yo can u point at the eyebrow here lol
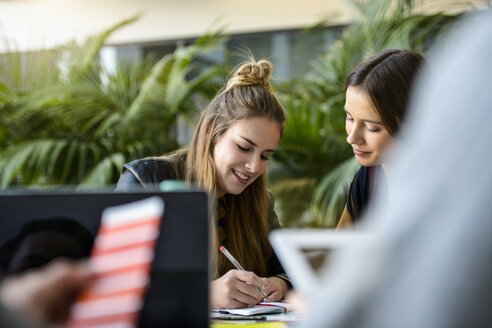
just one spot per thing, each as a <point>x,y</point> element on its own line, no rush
<point>255,145</point>
<point>369,121</point>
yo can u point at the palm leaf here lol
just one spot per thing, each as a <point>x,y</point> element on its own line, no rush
<point>79,61</point>
<point>104,171</point>
<point>331,193</point>
<point>12,162</point>
<point>149,85</point>
<point>6,95</point>
<point>83,125</point>
<point>293,213</point>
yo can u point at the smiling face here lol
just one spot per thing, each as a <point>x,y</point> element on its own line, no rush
<point>241,154</point>
<point>366,132</point>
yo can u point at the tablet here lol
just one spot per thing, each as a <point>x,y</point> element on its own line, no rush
<point>178,293</point>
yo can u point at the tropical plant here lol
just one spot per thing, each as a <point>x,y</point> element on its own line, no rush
<point>311,145</point>
<point>314,142</point>
<point>66,119</point>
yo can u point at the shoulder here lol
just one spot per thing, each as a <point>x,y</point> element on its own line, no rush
<point>346,220</point>
<point>152,170</point>
<point>150,163</point>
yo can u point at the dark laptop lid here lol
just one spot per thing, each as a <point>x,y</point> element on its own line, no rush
<point>178,295</point>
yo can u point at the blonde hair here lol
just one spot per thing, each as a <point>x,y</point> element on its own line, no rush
<point>247,94</point>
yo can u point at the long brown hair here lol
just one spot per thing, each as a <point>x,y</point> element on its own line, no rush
<point>387,78</point>
<point>247,94</point>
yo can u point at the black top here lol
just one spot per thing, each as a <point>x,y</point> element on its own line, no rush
<point>367,181</point>
<point>148,172</point>
<point>151,171</point>
<point>358,194</point>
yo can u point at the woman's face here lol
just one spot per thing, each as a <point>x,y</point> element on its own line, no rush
<point>241,154</point>
<point>366,132</point>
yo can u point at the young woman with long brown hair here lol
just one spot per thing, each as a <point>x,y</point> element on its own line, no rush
<point>234,139</point>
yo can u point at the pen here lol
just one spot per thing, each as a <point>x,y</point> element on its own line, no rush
<point>238,266</point>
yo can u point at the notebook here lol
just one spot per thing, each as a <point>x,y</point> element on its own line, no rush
<point>249,324</point>
<point>305,254</point>
<point>260,308</point>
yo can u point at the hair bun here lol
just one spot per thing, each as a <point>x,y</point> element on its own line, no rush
<point>252,73</point>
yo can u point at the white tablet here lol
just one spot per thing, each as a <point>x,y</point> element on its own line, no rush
<point>305,253</point>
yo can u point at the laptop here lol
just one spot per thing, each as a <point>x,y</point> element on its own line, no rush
<point>306,254</point>
<point>178,295</point>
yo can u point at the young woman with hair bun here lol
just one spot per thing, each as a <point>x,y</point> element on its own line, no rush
<point>233,141</point>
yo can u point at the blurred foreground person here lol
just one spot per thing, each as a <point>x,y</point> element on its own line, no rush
<point>42,297</point>
<point>430,263</point>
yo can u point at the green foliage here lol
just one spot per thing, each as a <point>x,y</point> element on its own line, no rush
<point>314,143</point>
<point>310,147</point>
<point>67,120</point>
<point>330,194</point>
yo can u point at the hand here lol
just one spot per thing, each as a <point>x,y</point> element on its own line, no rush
<point>46,294</point>
<point>275,288</point>
<point>298,302</point>
<point>236,289</point>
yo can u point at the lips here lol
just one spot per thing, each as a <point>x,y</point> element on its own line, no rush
<point>360,153</point>
<point>243,178</point>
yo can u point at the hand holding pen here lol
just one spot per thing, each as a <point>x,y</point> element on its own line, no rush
<point>240,288</point>
<point>239,267</point>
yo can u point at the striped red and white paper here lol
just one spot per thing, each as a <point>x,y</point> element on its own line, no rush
<point>122,259</point>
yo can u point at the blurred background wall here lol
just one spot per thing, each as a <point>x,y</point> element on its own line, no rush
<point>269,28</point>
<point>49,22</point>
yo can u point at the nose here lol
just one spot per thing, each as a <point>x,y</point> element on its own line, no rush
<point>254,164</point>
<point>354,136</point>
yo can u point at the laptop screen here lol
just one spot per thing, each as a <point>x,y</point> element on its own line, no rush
<point>64,224</point>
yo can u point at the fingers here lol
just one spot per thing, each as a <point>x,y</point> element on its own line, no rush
<point>61,282</point>
<point>275,288</point>
<point>248,276</point>
<point>252,292</point>
<point>71,275</point>
<point>46,293</point>
<point>235,289</point>
<point>244,286</point>
<point>298,302</point>
<point>241,288</point>
<point>274,297</point>
<point>250,283</point>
